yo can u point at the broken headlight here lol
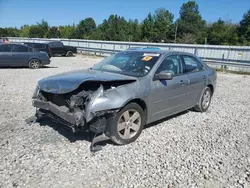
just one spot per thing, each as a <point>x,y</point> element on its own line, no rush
<point>36,92</point>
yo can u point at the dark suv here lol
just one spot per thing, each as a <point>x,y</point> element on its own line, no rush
<point>39,46</point>
<point>58,48</point>
<point>53,48</point>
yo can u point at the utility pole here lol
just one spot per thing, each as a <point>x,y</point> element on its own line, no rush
<point>176,30</point>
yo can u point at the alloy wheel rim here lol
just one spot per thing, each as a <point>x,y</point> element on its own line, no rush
<point>34,64</point>
<point>206,99</point>
<point>129,124</point>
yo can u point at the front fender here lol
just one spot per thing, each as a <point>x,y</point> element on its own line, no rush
<point>112,99</point>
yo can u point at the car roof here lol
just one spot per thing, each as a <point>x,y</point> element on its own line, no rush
<point>47,42</point>
<point>33,43</point>
<point>53,41</point>
<point>11,43</point>
<point>159,51</point>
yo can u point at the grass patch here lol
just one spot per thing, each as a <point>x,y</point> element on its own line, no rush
<point>232,71</point>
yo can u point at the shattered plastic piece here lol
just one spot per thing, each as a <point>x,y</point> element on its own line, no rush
<point>96,139</point>
<point>31,120</point>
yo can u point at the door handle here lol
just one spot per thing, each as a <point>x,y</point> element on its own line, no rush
<point>204,77</point>
<point>181,82</point>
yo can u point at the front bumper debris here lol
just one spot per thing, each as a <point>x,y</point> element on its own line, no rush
<point>74,121</point>
<point>60,111</point>
<point>74,113</point>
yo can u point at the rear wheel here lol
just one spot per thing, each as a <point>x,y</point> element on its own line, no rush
<point>34,64</point>
<point>69,54</point>
<point>127,125</point>
<point>204,101</point>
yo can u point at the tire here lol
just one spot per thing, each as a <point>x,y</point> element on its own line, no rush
<point>35,64</point>
<point>131,130</point>
<point>69,54</point>
<point>204,101</point>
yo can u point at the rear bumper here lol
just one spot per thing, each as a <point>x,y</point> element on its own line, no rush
<point>46,62</point>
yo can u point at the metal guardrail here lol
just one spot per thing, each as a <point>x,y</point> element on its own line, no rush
<point>234,56</point>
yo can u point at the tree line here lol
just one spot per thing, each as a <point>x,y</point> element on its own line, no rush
<point>189,28</point>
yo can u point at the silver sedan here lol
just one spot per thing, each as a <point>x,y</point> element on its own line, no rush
<point>125,91</point>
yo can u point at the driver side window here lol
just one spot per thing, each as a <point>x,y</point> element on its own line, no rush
<point>170,64</point>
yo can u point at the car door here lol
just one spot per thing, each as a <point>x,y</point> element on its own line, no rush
<point>57,48</point>
<point>168,97</point>
<point>20,55</point>
<point>61,49</point>
<point>5,54</point>
<point>53,48</point>
<point>196,75</point>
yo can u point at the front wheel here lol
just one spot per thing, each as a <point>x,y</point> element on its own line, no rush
<point>204,101</point>
<point>127,125</point>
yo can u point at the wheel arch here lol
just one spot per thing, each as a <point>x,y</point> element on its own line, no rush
<point>36,58</point>
<point>211,87</point>
<point>68,52</point>
<point>141,103</point>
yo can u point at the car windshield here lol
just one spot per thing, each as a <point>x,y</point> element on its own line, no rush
<point>136,64</point>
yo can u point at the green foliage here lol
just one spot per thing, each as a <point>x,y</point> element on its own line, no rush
<point>244,29</point>
<point>148,30</point>
<point>54,32</point>
<point>3,32</point>
<point>35,32</point>
<point>163,25</point>
<point>24,32</point>
<point>114,29</point>
<point>44,28</point>
<point>85,28</point>
<point>67,31</point>
<point>158,27</point>
<point>134,30</point>
<point>222,32</point>
<point>40,30</point>
<point>189,28</point>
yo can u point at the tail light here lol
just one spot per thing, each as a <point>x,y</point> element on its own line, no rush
<point>49,54</point>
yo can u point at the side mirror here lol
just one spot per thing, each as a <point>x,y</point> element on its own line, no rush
<point>164,76</point>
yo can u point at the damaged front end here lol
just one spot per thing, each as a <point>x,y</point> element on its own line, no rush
<point>74,110</point>
<point>83,100</point>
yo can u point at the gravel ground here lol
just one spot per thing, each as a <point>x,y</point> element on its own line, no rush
<point>189,150</point>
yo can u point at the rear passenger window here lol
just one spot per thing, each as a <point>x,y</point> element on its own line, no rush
<point>19,48</point>
<point>192,64</point>
<point>28,44</point>
<point>55,44</point>
<point>5,48</point>
<point>38,46</point>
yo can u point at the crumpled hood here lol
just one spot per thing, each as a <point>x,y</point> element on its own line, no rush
<point>69,81</point>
